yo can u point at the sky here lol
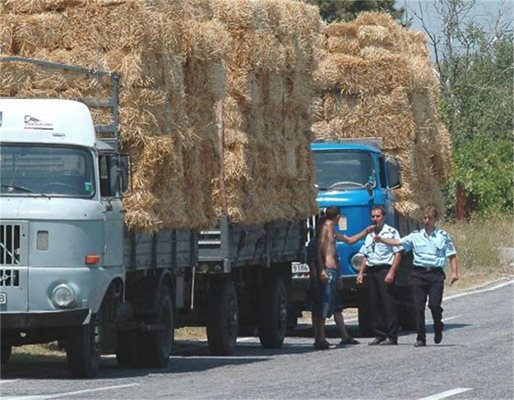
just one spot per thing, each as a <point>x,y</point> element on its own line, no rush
<point>485,12</point>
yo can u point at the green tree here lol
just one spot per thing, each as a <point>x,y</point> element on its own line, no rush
<point>346,10</point>
<point>474,59</point>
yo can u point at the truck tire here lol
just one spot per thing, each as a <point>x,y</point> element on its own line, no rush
<point>83,347</point>
<point>365,318</point>
<point>156,345</point>
<point>127,353</point>
<point>5,352</point>
<point>273,313</point>
<point>223,318</point>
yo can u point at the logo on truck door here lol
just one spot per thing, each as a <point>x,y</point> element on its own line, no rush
<point>32,122</point>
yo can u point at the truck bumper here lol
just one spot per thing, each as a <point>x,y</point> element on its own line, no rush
<point>55,319</point>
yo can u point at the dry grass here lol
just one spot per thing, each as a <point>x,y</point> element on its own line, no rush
<point>478,242</point>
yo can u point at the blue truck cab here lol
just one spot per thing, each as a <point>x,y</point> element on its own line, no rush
<point>354,176</point>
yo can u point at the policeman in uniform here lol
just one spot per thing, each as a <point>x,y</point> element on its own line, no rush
<point>431,246</point>
<point>381,262</point>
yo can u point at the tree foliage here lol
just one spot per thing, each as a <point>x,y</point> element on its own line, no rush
<point>346,10</point>
<point>475,62</point>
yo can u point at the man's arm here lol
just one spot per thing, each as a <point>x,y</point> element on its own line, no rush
<point>362,268</point>
<point>353,239</point>
<point>388,241</point>
<point>455,269</point>
<point>321,254</point>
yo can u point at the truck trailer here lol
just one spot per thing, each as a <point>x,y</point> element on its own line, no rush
<point>72,272</point>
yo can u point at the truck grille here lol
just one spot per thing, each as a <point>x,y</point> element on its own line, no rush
<point>9,278</point>
<point>10,235</point>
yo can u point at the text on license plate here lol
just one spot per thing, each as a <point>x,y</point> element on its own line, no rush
<point>299,268</point>
<point>3,298</point>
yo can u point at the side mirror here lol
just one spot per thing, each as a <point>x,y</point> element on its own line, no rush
<point>118,174</point>
<point>124,171</point>
<point>394,178</point>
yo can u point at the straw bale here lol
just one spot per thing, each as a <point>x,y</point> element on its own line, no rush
<point>376,79</point>
<point>354,75</point>
<point>178,60</point>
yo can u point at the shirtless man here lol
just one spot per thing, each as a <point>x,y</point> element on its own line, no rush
<point>327,265</point>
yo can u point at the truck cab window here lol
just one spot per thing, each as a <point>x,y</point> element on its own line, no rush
<point>46,170</point>
<point>343,170</point>
<point>104,176</point>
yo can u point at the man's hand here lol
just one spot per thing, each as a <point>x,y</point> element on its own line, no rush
<point>360,278</point>
<point>323,276</point>
<point>454,278</point>
<point>377,239</point>
<point>370,228</point>
<point>389,279</point>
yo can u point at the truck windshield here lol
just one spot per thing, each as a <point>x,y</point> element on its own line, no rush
<point>46,170</point>
<point>343,169</point>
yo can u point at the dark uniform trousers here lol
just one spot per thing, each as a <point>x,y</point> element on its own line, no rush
<point>428,282</point>
<point>383,303</point>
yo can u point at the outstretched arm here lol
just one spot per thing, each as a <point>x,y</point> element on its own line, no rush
<point>353,239</point>
<point>388,241</point>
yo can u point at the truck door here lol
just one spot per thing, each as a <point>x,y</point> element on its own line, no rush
<point>113,210</point>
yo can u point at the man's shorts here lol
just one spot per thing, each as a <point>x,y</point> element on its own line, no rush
<point>326,295</point>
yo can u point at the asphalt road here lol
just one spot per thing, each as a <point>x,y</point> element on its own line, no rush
<point>474,361</point>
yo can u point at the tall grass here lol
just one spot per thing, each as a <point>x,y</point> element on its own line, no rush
<point>478,244</point>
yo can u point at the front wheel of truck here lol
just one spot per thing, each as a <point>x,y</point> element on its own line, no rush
<point>273,313</point>
<point>83,348</point>
<point>156,345</point>
<point>5,353</point>
<point>223,317</point>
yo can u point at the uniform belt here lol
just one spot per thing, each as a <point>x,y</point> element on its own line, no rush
<point>428,268</point>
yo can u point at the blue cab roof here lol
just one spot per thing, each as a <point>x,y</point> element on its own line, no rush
<point>323,146</point>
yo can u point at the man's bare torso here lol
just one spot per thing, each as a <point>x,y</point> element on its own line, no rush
<point>328,245</point>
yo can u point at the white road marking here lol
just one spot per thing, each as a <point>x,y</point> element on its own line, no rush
<point>7,381</point>
<point>57,395</point>
<point>450,318</point>
<point>500,285</point>
<point>446,394</point>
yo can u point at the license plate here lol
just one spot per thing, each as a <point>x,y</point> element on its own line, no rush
<point>299,268</point>
<point>3,298</point>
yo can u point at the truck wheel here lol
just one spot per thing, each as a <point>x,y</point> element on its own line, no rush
<point>83,345</point>
<point>223,318</point>
<point>365,318</point>
<point>273,313</point>
<point>5,352</point>
<point>127,353</point>
<point>156,346</point>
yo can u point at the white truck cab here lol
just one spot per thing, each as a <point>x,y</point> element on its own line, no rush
<point>61,227</point>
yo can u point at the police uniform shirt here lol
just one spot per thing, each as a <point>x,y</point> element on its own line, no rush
<point>380,253</point>
<point>429,250</point>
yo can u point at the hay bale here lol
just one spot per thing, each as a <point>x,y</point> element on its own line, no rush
<point>178,61</point>
<point>376,80</point>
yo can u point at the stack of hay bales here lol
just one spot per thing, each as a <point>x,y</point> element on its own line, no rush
<point>376,80</point>
<point>270,66</point>
<point>187,67</point>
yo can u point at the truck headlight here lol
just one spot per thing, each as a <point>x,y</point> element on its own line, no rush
<point>356,261</point>
<point>63,295</point>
